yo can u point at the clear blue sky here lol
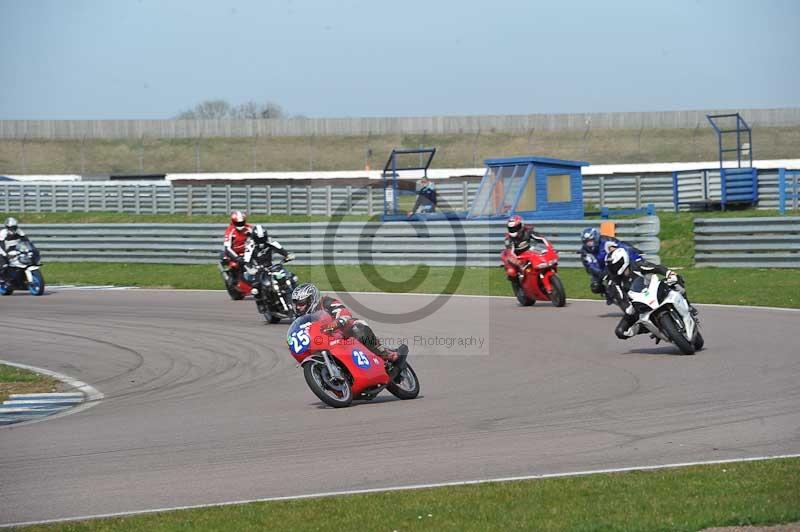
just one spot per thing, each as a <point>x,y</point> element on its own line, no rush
<point>127,59</point>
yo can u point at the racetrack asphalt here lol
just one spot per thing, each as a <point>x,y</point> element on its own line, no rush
<point>203,403</point>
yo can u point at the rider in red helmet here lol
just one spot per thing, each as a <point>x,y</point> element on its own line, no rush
<point>235,238</point>
<point>520,237</point>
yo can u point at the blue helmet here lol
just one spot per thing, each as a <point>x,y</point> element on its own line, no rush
<point>590,237</point>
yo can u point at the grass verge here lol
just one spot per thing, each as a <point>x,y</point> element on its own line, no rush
<point>16,380</point>
<point>692,498</point>
<point>732,286</point>
<point>310,153</point>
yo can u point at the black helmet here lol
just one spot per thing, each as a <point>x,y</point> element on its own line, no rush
<point>259,234</point>
<point>11,224</point>
<point>305,299</point>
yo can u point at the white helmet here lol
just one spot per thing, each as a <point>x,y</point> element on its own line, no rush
<point>618,261</point>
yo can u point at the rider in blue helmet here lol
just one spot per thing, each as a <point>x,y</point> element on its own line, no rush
<point>594,250</point>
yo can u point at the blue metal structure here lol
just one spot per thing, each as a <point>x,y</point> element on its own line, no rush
<point>740,129</point>
<point>736,186</point>
<point>390,174</point>
<point>533,187</point>
<point>788,189</point>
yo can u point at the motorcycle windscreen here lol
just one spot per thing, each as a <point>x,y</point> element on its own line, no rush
<point>298,338</point>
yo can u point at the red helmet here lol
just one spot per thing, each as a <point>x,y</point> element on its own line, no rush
<point>514,225</point>
<point>239,219</point>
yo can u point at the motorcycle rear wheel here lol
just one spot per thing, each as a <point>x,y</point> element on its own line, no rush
<point>675,334</point>
<point>337,395</point>
<point>408,385</point>
<point>558,296</point>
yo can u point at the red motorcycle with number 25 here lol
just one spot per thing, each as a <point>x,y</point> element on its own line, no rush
<point>339,369</point>
<point>534,275</point>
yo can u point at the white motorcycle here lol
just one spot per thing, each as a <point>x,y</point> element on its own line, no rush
<point>665,313</point>
<point>23,271</point>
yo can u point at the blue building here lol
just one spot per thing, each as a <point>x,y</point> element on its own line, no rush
<point>533,187</point>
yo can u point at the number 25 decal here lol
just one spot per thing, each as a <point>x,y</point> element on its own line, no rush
<point>361,360</point>
<point>299,341</point>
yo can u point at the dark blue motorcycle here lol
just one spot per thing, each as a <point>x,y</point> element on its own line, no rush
<point>23,271</point>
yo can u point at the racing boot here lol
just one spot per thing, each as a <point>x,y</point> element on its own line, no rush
<point>388,355</point>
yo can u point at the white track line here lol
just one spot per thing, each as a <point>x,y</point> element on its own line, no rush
<point>93,395</point>
<point>473,296</point>
<point>403,488</point>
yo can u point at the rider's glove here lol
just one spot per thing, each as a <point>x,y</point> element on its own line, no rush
<point>289,257</point>
<point>672,278</point>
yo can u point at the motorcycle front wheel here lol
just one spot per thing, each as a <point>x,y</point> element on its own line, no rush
<point>558,296</point>
<point>675,333</point>
<point>333,392</point>
<point>405,385</point>
<point>36,286</point>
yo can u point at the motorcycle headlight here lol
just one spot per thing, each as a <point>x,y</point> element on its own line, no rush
<point>641,308</point>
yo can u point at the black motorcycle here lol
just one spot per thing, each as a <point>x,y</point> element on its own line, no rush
<point>272,291</point>
<point>22,272</point>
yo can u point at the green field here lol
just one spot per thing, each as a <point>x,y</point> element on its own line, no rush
<point>16,380</point>
<point>357,152</point>
<point>686,499</point>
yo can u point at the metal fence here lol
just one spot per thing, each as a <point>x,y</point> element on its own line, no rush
<point>432,125</point>
<point>616,191</point>
<point>788,190</point>
<point>747,242</point>
<point>212,199</point>
<point>435,244</point>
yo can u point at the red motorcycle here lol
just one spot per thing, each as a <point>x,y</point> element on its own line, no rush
<point>533,275</point>
<point>232,275</point>
<point>339,369</point>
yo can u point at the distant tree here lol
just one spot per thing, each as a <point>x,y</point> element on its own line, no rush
<point>208,109</point>
<point>247,110</point>
<point>272,110</point>
<point>222,109</point>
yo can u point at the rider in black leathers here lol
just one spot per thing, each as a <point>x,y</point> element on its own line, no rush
<point>621,271</point>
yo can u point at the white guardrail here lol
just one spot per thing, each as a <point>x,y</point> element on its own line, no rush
<point>747,242</point>
<point>443,243</point>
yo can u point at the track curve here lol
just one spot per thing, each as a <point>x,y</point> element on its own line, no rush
<point>204,405</point>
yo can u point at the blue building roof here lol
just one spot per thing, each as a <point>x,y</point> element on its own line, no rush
<point>536,160</point>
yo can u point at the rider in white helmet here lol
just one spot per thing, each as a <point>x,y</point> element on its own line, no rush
<point>622,270</point>
<point>10,237</point>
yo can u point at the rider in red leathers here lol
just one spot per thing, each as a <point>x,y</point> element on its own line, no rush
<point>520,237</point>
<point>307,299</point>
<point>234,244</point>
